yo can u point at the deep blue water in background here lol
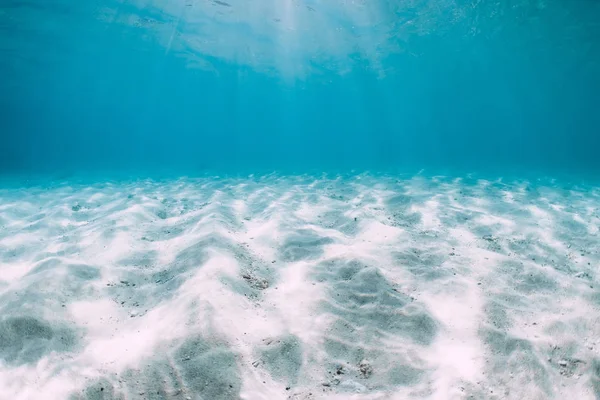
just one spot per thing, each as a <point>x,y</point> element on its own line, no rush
<point>191,86</point>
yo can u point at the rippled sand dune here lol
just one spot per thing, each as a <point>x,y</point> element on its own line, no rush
<point>282,287</point>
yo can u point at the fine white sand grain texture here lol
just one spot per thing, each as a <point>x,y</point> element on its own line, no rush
<point>300,287</point>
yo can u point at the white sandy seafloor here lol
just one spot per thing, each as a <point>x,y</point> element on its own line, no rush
<point>275,287</point>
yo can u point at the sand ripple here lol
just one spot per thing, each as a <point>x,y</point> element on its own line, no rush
<point>300,287</point>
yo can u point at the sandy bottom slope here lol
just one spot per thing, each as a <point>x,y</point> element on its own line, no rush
<point>300,287</point>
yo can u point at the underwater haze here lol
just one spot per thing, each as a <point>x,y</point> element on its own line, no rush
<point>299,199</point>
<point>196,85</point>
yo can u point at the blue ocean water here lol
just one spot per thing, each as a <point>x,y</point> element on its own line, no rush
<point>299,199</point>
<point>299,85</point>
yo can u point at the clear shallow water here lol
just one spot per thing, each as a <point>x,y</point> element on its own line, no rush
<point>296,85</point>
<point>149,251</point>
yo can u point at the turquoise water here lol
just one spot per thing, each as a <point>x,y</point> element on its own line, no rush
<point>299,200</point>
<point>192,85</point>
